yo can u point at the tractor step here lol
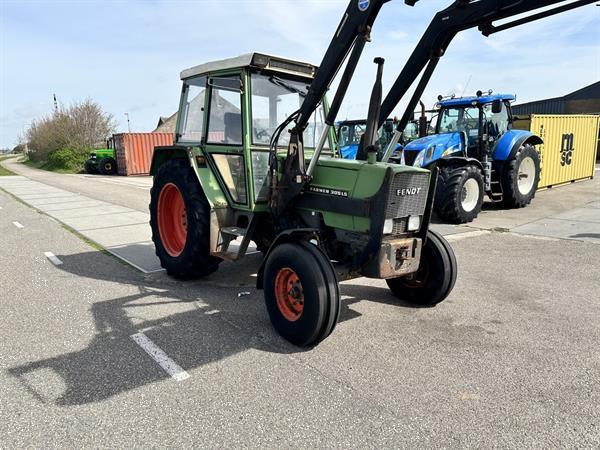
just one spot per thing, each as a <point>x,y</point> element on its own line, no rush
<point>227,235</point>
<point>234,231</point>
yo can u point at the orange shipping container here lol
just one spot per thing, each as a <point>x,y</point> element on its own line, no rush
<point>134,151</point>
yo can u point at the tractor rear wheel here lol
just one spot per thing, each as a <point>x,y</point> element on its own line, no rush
<point>434,279</point>
<point>180,222</point>
<point>459,193</point>
<point>90,167</point>
<point>107,166</point>
<point>520,178</point>
<point>301,293</point>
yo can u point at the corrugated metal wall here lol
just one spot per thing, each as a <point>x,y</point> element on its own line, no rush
<point>550,106</point>
<point>134,151</point>
<point>569,149</point>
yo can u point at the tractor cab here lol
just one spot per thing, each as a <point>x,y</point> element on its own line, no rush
<point>463,124</point>
<point>229,110</point>
<point>465,115</point>
<point>350,132</point>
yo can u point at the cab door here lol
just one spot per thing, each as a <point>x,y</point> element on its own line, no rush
<point>224,138</point>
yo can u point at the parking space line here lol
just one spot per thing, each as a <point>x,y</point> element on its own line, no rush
<point>167,364</point>
<point>18,225</point>
<point>53,259</point>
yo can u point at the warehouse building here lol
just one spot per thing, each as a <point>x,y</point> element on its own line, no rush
<point>582,101</point>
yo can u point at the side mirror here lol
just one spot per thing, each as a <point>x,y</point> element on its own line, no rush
<point>496,106</point>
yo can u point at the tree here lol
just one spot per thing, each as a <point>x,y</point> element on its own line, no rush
<point>80,127</point>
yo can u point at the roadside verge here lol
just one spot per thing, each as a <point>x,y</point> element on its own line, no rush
<point>122,231</point>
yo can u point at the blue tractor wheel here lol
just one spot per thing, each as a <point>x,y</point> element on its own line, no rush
<point>459,193</point>
<point>520,177</point>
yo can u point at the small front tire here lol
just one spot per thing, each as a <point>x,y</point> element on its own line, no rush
<point>89,167</point>
<point>459,194</point>
<point>435,278</point>
<point>301,293</point>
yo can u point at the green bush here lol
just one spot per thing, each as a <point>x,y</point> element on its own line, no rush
<point>66,159</point>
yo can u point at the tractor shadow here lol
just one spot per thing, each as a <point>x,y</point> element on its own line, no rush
<point>195,323</point>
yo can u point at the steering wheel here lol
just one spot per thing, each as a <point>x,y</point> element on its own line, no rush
<point>263,136</point>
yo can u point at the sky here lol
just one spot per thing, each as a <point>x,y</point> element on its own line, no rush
<point>127,55</point>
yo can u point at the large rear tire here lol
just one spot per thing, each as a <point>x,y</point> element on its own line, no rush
<point>435,278</point>
<point>301,293</point>
<point>459,193</point>
<point>521,177</point>
<point>107,166</point>
<point>180,222</point>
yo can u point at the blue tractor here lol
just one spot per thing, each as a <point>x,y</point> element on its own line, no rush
<point>477,152</point>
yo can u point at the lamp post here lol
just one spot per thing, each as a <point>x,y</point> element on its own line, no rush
<point>128,126</point>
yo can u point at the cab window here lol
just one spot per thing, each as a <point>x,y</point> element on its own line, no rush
<point>497,124</point>
<point>273,100</point>
<point>192,117</point>
<point>225,120</point>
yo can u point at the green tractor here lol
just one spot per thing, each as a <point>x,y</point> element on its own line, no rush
<point>254,159</point>
<point>224,178</point>
<point>102,160</point>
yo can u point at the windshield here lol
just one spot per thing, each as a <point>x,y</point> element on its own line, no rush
<point>350,134</point>
<point>459,119</point>
<point>274,99</point>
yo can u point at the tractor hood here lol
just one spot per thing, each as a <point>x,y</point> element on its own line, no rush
<point>444,140</point>
<point>424,151</point>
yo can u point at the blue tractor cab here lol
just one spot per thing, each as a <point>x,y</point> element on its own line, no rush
<point>478,153</point>
<point>349,134</point>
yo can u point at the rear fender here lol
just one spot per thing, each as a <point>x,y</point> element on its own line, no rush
<point>293,235</point>
<point>511,142</point>
<point>207,179</point>
<point>163,154</point>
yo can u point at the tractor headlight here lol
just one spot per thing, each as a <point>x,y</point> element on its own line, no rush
<point>388,226</point>
<point>414,223</point>
<point>450,150</point>
<point>419,159</point>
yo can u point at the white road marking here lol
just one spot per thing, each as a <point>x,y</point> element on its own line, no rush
<point>18,225</point>
<point>53,259</point>
<point>168,365</point>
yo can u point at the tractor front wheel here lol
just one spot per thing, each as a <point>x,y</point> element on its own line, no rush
<point>107,166</point>
<point>90,167</point>
<point>434,279</point>
<point>179,218</point>
<point>459,194</point>
<point>301,293</point>
<point>520,178</point>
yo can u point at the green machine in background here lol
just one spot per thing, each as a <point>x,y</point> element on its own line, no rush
<point>102,160</point>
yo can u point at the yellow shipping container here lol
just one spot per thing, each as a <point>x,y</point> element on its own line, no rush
<point>570,144</point>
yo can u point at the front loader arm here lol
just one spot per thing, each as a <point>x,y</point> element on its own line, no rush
<point>459,16</point>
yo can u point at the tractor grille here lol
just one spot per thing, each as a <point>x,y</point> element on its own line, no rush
<point>414,186</point>
<point>409,157</point>
<point>400,226</point>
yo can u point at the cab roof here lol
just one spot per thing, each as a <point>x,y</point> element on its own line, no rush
<point>257,60</point>
<point>468,101</point>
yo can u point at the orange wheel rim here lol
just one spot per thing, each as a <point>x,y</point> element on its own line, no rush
<point>172,219</point>
<point>289,294</point>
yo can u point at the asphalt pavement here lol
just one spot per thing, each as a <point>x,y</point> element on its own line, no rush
<point>95,353</point>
